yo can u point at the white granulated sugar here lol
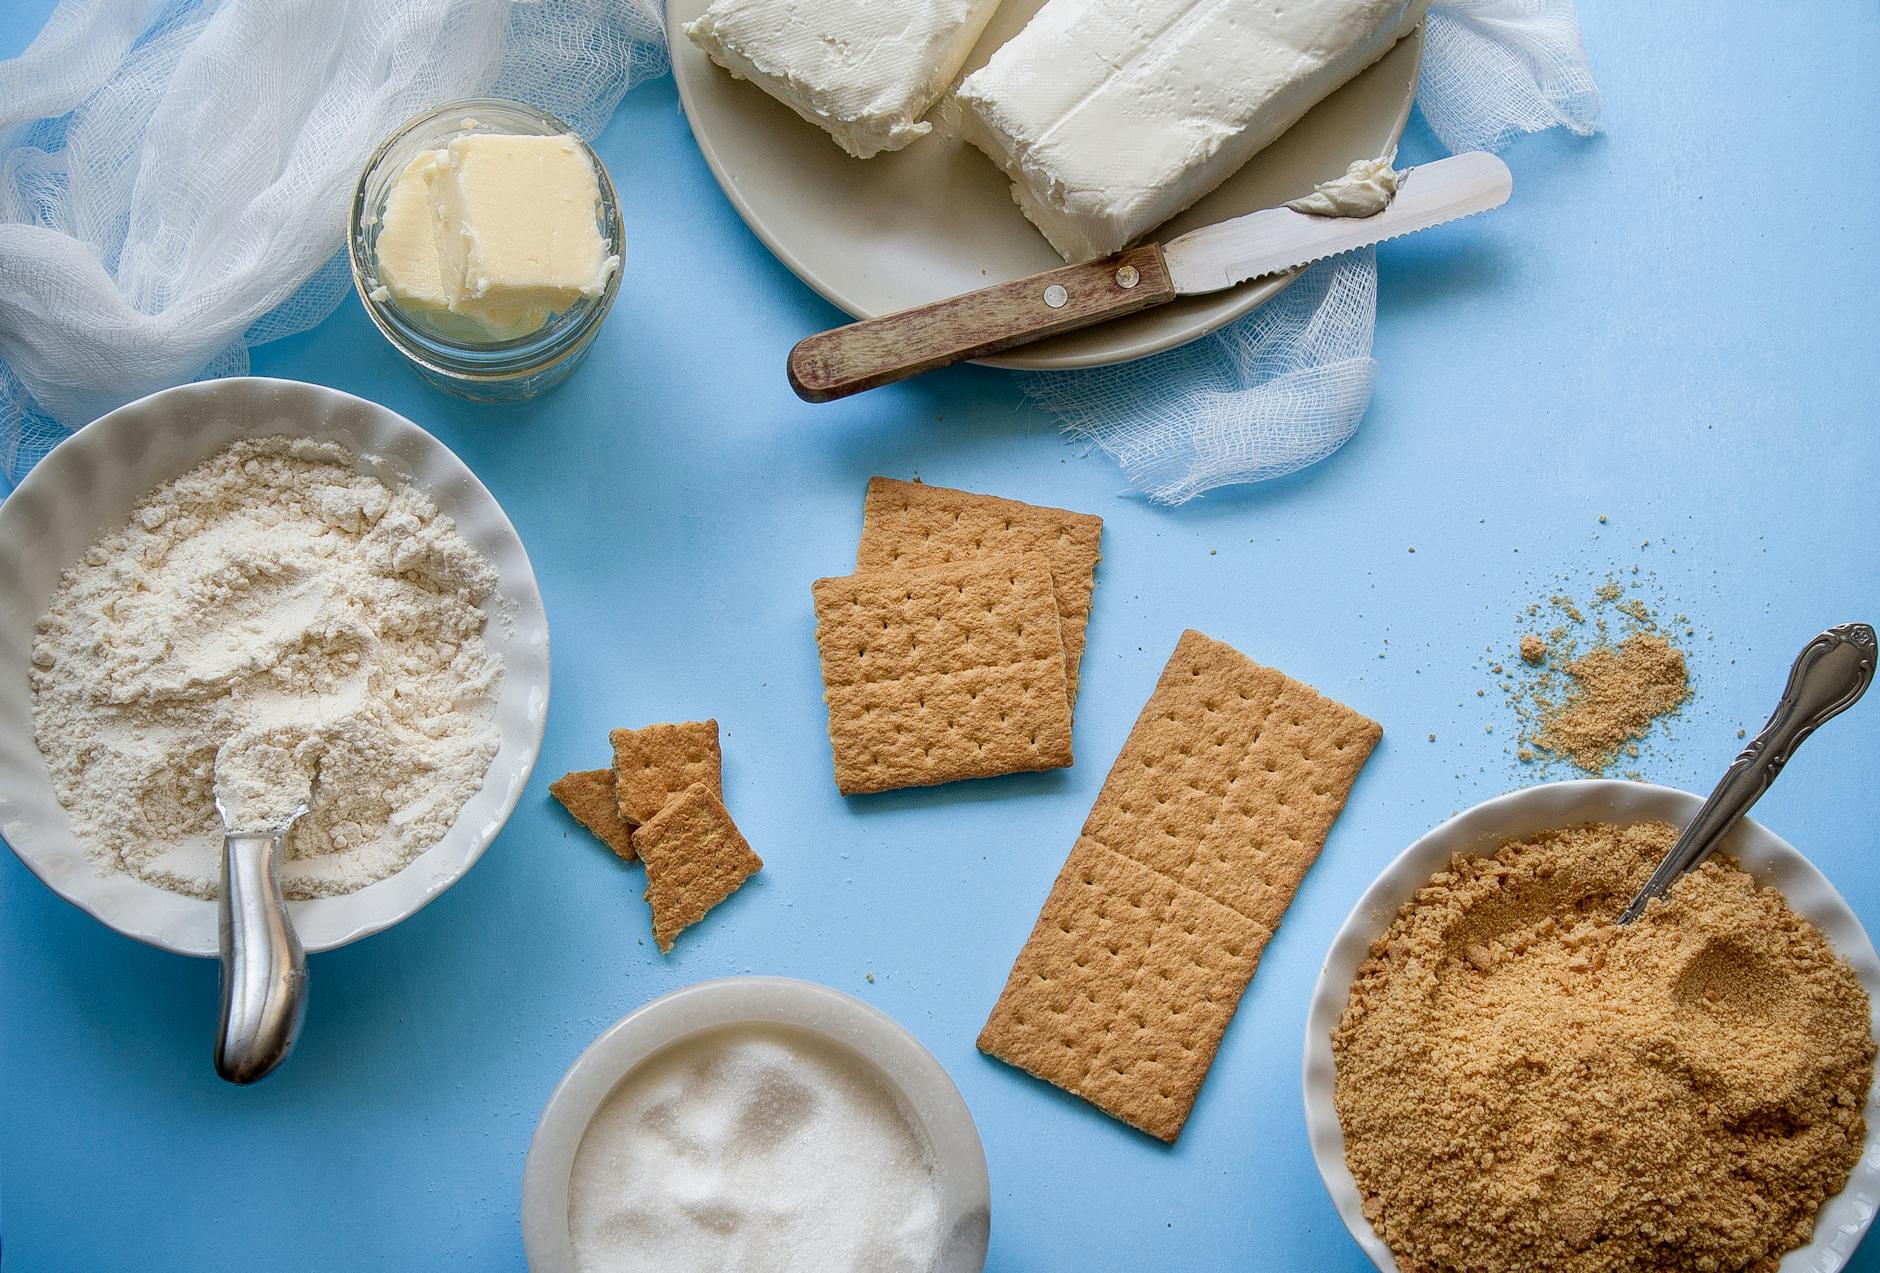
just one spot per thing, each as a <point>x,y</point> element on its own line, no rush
<point>320,625</point>
<point>753,1147</point>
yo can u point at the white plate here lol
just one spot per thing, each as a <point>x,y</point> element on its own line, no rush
<point>88,485</point>
<point>926,1094</point>
<point>1483,829</point>
<point>878,235</point>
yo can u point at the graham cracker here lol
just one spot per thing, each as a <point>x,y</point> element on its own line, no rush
<point>1218,804</point>
<point>588,794</point>
<point>954,671</point>
<point>695,858</point>
<point>653,764</point>
<point>910,524</point>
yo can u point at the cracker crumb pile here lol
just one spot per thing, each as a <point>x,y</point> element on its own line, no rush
<point>1589,689</point>
<point>1615,693</point>
<point>1525,1085</point>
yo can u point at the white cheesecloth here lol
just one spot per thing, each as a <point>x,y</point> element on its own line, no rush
<point>1287,385</point>
<point>175,174</point>
<point>120,277</point>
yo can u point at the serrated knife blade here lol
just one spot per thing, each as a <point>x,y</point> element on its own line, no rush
<point>1275,240</point>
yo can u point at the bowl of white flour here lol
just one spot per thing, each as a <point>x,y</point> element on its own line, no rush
<point>261,564</point>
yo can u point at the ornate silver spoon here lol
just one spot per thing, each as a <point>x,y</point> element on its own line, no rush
<point>1830,673</point>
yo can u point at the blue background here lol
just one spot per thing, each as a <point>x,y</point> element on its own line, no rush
<point>1664,326</point>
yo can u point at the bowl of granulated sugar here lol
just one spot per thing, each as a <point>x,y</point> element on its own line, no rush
<point>1500,1077</point>
<point>756,1123</point>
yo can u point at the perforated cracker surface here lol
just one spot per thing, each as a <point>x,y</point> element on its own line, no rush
<point>695,858</point>
<point>655,763</point>
<point>1219,803</point>
<point>911,524</point>
<point>953,671</point>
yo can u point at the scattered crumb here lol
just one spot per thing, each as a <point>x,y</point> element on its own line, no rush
<point>1533,649</point>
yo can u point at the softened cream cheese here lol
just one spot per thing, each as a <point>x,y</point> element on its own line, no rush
<point>1365,190</point>
<point>497,230</point>
<point>1111,116</point>
<point>865,71</point>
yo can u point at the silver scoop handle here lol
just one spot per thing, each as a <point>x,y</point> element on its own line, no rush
<point>264,968</point>
<point>1830,673</point>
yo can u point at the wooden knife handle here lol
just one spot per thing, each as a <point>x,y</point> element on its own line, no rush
<point>879,351</point>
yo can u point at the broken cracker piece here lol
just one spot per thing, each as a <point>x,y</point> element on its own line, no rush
<point>695,858</point>
<point>1216,807</point>
<point>657,762</point>
<point>588,794</point>
<point>911,524</point>
<point>954,671</point>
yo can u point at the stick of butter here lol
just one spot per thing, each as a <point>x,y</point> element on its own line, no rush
<point>497,229</point>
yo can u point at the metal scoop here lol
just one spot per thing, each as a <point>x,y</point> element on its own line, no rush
<point>1829,675</point>
<point>264,968</point>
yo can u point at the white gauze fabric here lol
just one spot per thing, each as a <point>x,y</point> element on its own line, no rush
<point>176,175</point>
<point>1287,385</point>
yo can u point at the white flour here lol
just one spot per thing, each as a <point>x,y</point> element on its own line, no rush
<point>321,625</point>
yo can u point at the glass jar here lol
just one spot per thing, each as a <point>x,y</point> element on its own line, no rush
<point>452,354</point>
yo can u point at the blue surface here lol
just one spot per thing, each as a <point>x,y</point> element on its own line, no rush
<point>1655,329</point>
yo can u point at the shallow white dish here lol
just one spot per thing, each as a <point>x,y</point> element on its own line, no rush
<point>88,484</point>
<point>877,235</point>
<point>926,1094</point>
<point>1481,830</point>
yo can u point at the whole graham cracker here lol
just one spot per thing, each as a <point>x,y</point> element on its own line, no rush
<point>911,524</point>
<point>653,764</point>
<point>952,671</point>
<point>1218,804</point>
<point>588,794</point>
<point>695,858</point>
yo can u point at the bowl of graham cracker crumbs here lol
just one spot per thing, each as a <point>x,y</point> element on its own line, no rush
<point>1499,1077</point>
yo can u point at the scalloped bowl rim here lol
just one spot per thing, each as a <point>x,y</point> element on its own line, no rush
<point>87,485</point>
<point>1843,1219</point>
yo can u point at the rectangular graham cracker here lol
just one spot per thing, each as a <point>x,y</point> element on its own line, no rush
<point>588,794</point>
<point>953,671</point>
<point>1222,797</point>
<point>910,524</point>
<point>653,764</point>
<point>695,858</point>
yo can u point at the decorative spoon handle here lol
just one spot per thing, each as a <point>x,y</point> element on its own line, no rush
<point>264,968</point>
<point>1830,673</point>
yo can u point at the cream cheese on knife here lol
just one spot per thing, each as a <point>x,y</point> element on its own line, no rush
<point>863,70</point>
<point>1365,190</point>
<point>1111,116</point>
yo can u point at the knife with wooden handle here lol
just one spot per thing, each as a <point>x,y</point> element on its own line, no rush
<point>879,351</point>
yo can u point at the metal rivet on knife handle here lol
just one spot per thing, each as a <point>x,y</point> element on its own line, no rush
<point>1128,276</point>
<point>1055,296</point>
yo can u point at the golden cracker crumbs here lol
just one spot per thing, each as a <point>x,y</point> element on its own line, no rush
<point>1616,694</point>
<point>1525,1085</point>
<point>1592,688</point>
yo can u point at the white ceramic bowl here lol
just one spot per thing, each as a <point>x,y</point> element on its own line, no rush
<point>88,485</point>
<point>1481,830</point>
<point>926,1094</point>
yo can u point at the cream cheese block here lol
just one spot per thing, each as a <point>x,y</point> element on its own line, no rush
<point>863,70</point>
<point>1111,116</point>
